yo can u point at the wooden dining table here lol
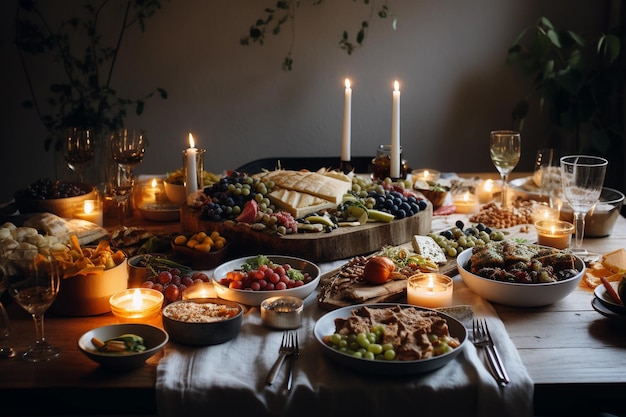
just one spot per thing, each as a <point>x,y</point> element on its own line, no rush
<point>575,356</point>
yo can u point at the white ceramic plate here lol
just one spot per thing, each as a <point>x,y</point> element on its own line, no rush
<point>160,213</point>
<point>325,326</point>
<point>255,298</point>
<point>605,298</point>
<point>597,305</point>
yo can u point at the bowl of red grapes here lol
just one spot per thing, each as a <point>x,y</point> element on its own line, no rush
<point>56,197</point>
<point>252,279</point>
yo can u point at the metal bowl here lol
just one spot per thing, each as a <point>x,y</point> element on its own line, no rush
<point>600,221</point>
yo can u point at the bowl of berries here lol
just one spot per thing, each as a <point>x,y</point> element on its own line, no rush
<point>173,281</point>
<point>56,197</point>
<point>250,280</point>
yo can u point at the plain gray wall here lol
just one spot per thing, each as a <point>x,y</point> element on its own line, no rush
<point>449,56</point>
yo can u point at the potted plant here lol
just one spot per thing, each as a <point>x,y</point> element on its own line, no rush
<point>84,97</point>
<point>578,82</point>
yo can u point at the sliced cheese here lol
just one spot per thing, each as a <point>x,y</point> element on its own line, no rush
<point>322,186</point>
<point>615,261</point>
<point>426,246</point>
<point>297,203</point>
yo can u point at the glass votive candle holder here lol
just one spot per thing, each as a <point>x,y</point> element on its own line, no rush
<point>202,290</point>
<point>554,233</point>
<point>465,203</point>
<point>543,211</point>
<point>429,290</point>
<point>90,210</point>
<point>425,175</point>
<point>137,305</point>
<point>484,191</point>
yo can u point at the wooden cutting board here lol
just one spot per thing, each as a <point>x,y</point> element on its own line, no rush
<point>341,243</point>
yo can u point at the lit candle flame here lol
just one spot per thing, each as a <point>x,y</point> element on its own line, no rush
<point>154,183</point>
<point>553,229</point>
<point>88,206</point>
<point>431,284</point>
<point>466,196</point>
<point>426,174</point>
<point>137,300</point>
<point>347,83</point>
<point>488,185</point>
<point>192,143</point>
<point>396,85</point>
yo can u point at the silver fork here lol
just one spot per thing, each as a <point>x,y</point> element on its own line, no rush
<point>287,347</point>
<point>482,339</point>
<point>294,356</point>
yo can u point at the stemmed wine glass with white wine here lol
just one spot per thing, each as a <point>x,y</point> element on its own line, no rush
<point>78,150</point>
<point>505,147</point>
<point>582,177</point>
<point>127,147</point>
<point>34,284</point>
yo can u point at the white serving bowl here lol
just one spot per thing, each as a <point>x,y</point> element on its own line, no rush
<point>516,294</point>
<point>255,298</point>
<point>154,339</point>
<point>176,193</point>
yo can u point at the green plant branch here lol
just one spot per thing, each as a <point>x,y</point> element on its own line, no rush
<point>284,12</point>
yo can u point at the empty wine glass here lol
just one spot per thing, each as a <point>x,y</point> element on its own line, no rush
<point>127,148</point>
<point>582,178</point>
<point>5,327</point>
<point>34,284</point>
<point>78,150</point>
<point>505,148</point>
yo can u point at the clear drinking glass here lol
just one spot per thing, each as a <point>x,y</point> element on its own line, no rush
<point>5,327</point>
<point>127,148</point>
<point>582,177</point>
<point>34,284</point>
<point>505,148</point>
<point>78,150</point>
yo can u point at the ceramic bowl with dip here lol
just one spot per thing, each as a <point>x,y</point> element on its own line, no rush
<point>518,294</point>
<point>202,321</point>
<point>153,337</point>
<point>600,221</point>
<point>255,298</point>
<point>88,295</point>
<point>433,191</point>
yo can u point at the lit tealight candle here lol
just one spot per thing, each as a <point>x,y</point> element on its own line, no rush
<point>136,304</point>
<point>544,212</point>
<point>485,192</point>
<point>426,175</point>
<point>429,290</point>
<point>554,233</point>
<point>91,211</point>
<point>153,194</point>
<point>466,203</point>
<point>200,290</point>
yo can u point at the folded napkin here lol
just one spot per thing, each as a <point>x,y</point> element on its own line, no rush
<point>230,378</point>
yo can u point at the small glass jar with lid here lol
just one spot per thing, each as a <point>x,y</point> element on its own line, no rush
<point>381,165</point>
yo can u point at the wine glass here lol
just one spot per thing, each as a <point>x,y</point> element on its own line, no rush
<point>78,150</point>
<point>34,284</point>
<point>127,148</point>
<point>582,177</point>
<point>505,148</point>
<point>5,328</point>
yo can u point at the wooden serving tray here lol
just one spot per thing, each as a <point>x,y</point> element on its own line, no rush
<point>341,243</point>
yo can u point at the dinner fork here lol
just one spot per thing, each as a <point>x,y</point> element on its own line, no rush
<point>483,339</point>
<point>286,348</point>
<point>294,356</point>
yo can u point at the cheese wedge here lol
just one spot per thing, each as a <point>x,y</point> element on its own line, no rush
<point>615,261</point>
<point>297,203</point>
<point>427,247</point>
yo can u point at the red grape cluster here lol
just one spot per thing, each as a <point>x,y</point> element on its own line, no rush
<point>172,283</point>
<point>265,278</point>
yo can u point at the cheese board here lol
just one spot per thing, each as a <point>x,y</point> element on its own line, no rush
<point>341,243</point>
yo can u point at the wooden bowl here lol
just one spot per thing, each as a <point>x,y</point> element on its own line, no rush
<point>200,260</point>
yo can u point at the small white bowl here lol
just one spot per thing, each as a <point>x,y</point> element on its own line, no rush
<point>517,294</point>
<point>154,339</point>
<point>176,193</point>
<point>255,298</point>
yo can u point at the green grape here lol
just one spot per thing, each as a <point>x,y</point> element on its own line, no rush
<point>368,355</point>
<point>335,338</point>
<point>362,340</point>
<point>389,354</point>
<point>375,348</point>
